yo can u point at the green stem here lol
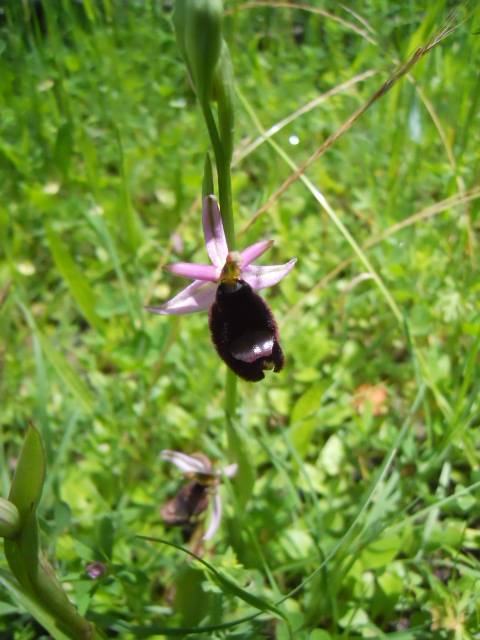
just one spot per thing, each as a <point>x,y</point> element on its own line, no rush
<point>226,210</point>
<point>230,394</point>
<point>224,177</point>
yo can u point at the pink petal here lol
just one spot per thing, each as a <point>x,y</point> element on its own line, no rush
<point>213,232</point>
<point>186,463</point>
<point>254,251</point>
<point>193,270</point>
<point>230,470</point>
<point>261,277</point>
<point>198,296</point>
<point>215,517</point>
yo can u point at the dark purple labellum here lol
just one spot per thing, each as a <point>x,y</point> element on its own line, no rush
<point>190,501</point>
<point>244,331</point>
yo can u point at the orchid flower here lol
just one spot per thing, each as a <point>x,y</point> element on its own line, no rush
<point>243,329</point>
<point>192,499</point>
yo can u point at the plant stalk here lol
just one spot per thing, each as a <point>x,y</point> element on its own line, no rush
<point>224,177</point>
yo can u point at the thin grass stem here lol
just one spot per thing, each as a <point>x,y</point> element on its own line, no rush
<point>326,206</point>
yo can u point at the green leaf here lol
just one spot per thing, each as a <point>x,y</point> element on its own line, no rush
<point>63,147</point>
<point>319,634</point>
<point>105,536</point>
<point>302,420</point>
<point>381,552</point>
<point>188,589</point>
<point>101,229</point>
<point>300,435</point>
<point>332,455</point>
<point>308,403</point>
<point>35,608</point>
<point>131,223</point>
<point>77,283</point>
<point>29,565</point>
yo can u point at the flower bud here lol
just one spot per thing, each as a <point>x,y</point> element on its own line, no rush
<point>198,28</point>
<point>10,525</point>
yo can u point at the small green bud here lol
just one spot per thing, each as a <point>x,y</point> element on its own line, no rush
<point>29,475</point>
<point>10,525</point>
<point>198,28</point>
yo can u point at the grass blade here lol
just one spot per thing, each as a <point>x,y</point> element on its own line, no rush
<point>61,365</point>
<point>77,283</point>
<point>227,583</point>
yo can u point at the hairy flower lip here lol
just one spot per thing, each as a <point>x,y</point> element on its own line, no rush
<point>200,294</point>
<point>244,331</point>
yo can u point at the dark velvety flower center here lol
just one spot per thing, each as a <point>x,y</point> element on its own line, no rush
<point>244,331</point>
<point>190,501</point>
<point>186,507</point>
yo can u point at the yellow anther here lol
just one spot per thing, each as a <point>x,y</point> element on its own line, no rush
<point>231,271</point>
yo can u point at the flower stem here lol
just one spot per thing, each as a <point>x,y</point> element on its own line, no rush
<point>230,394</point>
<point>226,211</point>
<point>224,177</point>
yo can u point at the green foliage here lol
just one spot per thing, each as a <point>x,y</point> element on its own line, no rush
<point>355,509</point>
<point>37,589</point>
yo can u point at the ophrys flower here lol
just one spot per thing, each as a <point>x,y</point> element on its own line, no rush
<point>243,328</point>
<point>192,499</point>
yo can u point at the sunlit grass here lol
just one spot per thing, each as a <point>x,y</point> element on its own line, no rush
<point>354,512</point>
